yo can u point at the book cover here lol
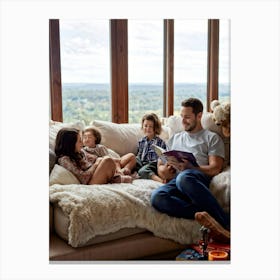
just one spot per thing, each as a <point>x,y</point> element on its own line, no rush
<point>174,154</point>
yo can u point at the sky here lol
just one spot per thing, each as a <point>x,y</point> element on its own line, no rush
<point>85,51</point>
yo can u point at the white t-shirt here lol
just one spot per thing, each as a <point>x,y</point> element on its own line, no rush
<point>202,144</point>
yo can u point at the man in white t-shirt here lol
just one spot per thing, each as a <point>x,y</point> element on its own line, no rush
<point>188,195</point>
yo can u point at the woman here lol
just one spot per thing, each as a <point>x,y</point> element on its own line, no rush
<point>89,169</point>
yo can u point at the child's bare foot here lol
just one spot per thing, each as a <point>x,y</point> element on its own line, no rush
<point>122,179</point>
<point>135,175</point>
<point>126,171</point>
<point>126,179</point>
<point>217,232</point>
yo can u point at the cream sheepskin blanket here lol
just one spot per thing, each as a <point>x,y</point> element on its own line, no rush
<point>101,209</point>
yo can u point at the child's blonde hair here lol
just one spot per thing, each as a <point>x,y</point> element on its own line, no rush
<point>154,118</point>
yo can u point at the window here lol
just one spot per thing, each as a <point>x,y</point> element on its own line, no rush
<point>224,61</point>
<point>140,60</point>
<point>190,61</point>
<point>145,68</point>
<point>85,70</point>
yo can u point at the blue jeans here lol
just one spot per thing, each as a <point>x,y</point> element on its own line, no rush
<point>187,194</point>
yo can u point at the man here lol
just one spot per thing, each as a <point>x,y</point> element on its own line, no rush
<point>188,195</point>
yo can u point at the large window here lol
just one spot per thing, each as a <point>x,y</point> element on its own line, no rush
<point>145,68</point>
<point>190,61</point>
<point>118,70</point>
<point>85,70</point>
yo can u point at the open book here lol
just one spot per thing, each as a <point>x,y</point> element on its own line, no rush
<point>166,156</point>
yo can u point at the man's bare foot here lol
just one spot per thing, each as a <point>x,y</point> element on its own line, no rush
<point>217,232</point>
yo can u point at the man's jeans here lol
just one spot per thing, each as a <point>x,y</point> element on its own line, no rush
<point>187,194</point>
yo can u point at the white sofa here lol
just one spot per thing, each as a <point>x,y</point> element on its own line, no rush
<point>116,221</point>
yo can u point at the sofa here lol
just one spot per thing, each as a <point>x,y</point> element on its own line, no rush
<point>115,222</point>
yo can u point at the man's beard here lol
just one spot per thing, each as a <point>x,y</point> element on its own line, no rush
<point>190,127</point>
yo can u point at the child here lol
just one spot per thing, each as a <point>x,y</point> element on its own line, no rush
<point>91,141</point>
<point>89,169</point>
<point>165,172</point>
<point>146,156</point>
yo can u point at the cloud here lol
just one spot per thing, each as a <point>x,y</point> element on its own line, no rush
<point>85,52</point>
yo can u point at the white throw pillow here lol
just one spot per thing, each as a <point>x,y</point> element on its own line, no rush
<point>122,138</point>
<point>175,124</point>
<point>208,123</point>
<point>54,127</point>
<point>62,176</point>
<point>113,154</point>
<point>220,188</point>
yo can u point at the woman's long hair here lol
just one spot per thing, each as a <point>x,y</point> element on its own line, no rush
<point>65,143</point>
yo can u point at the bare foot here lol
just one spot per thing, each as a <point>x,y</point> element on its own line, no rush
<point>126,171</point>
<point>122,179</point>
<point>126,179</point>
<point>135,175</point>
<point>217,232</point>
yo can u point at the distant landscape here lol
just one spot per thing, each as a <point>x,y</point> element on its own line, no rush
<point>90,102</point>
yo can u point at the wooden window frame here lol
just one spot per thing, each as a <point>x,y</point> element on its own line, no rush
<point>119,68</point>
<point>213,62</point>
<point>55,71</point>
<point>168,68</point>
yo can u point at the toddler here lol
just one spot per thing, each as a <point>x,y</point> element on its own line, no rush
<point>124,165</point>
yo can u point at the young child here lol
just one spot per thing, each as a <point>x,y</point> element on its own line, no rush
<point>165,171</point>
<point>91,141</point>
<point>88,168</point>
<point>147,159</point>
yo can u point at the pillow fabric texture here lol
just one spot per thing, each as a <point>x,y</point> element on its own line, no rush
<point>62,176</point>
<point>52,160</point>
<point>123,138</point>
<point>54,127</point>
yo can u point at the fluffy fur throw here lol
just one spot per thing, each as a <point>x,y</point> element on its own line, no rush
<point>101,209</point>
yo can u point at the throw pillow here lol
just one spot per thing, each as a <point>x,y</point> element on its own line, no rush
<point>62,176</point>
<point>123,138</point>
<point>54,127</point>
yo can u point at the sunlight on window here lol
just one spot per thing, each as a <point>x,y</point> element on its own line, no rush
<point>190,61</point>
<point>224,61</point>
<point>145,68</point>
<point>85,70</point>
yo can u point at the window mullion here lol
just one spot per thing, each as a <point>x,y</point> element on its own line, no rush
<point>213,61</point>
<point>55,71</point>
<point>168,79</point>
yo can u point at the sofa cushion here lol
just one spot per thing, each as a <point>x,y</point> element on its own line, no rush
<point>54,127</point>
<point>62,176</point>
<point>62,222</point>
<point>175,124</point>
<point>123,138</point>
<point>52,159</point>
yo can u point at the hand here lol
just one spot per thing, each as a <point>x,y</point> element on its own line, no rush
<point>117,160</point>
<point>180,165</point>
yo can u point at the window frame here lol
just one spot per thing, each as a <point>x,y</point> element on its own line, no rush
<point>119,68</point>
